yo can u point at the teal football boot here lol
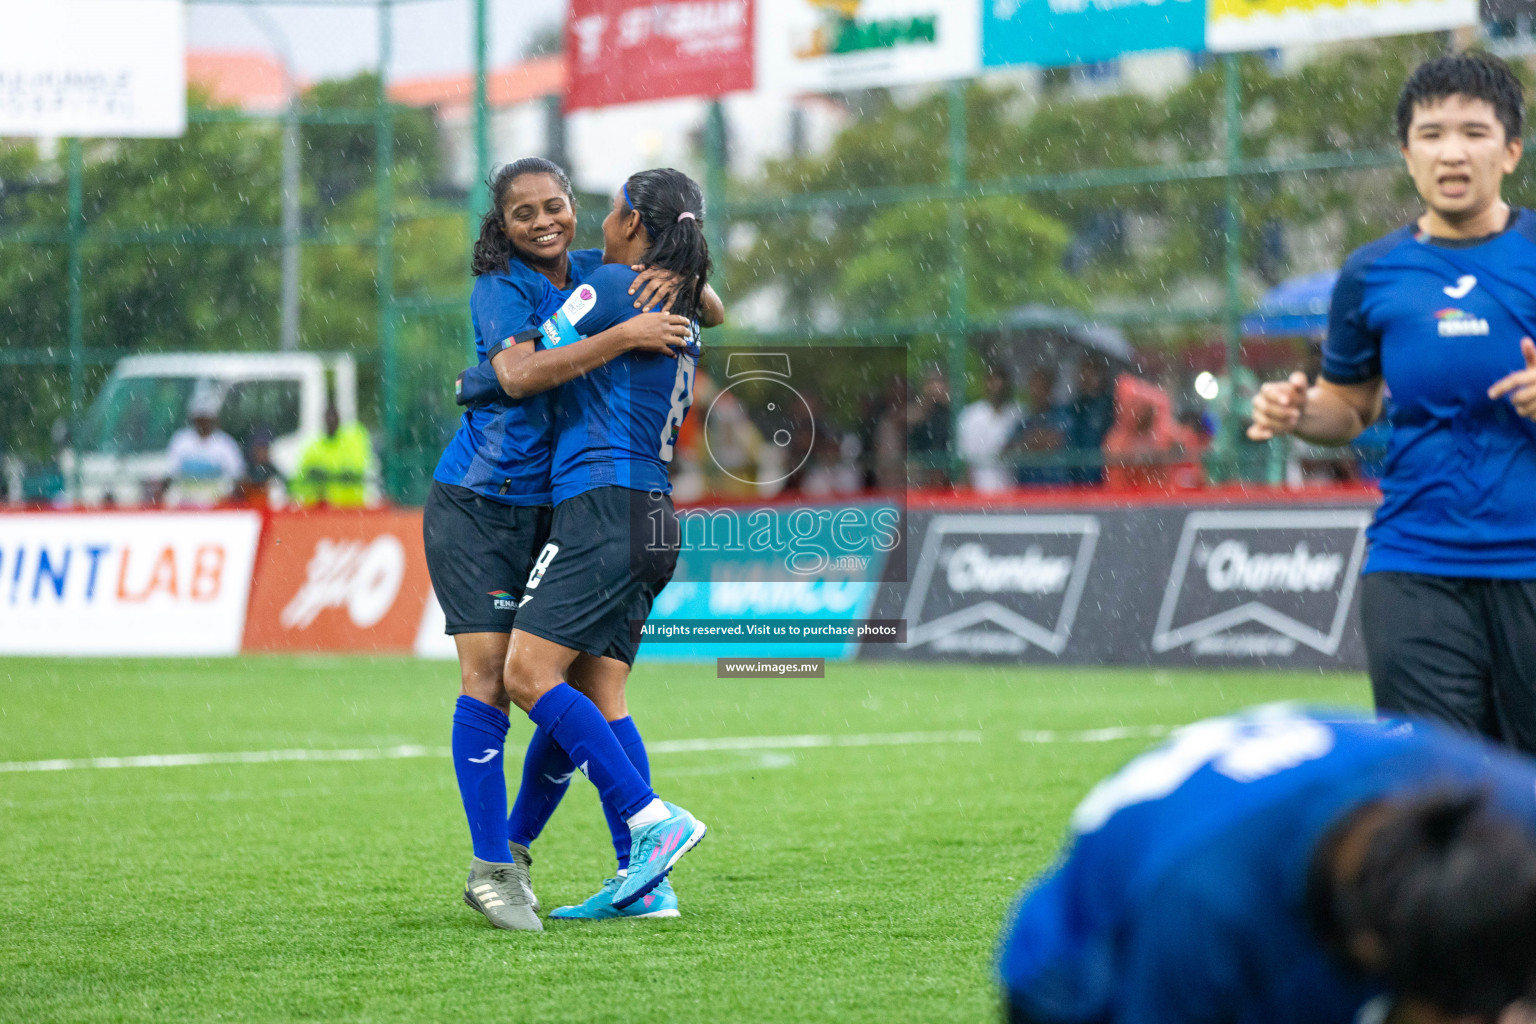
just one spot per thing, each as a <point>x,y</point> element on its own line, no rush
<point>659,902</point>
<point>656,849</point>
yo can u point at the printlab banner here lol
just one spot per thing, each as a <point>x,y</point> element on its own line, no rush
<point>158,583</point>
<point>1268,586</point>
<point>621,51</point>
<point>817,46</point>
<point>1054,32</point>
<point>93,68</point>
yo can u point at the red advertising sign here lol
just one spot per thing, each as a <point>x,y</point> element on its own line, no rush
<point>336,580</point>
<point>621,51</point>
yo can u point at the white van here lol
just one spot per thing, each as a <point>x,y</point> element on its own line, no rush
<point>122,442</point>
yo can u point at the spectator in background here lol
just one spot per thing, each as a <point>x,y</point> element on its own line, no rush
<point>1089,417</point>
<point>985,428</point>
<point>1043,431</point>
<point>203,462</point>
<point>928,431</point>
<point>335,467</point>
<point>262,485</point>
<point>885,452</point>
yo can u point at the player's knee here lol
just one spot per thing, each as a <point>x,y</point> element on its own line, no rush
<point>485,686</point>
<point>522,684</point>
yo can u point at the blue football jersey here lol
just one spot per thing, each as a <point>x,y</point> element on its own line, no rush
<point>1181,895</point>
<point>1440,323</point>
<point>502,448</point>
<point>615,426</point>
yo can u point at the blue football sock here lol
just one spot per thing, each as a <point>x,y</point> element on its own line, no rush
<point>479,736</point>
<point>578,727</point>
<point>546,776</point>
<point>629,738</point>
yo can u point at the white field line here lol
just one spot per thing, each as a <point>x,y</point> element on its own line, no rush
<point>729,743</point>
<point>1114,732</point>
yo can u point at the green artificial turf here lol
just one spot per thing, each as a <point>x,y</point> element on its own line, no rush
<point>840,883</point>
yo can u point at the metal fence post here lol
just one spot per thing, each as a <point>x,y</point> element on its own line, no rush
<point>714,189</point>
<point>958,291</point>
<point>76,161</point>
<point>384,256</point>
<point>1232,312</point>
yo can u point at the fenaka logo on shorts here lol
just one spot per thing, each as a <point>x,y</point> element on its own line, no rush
<point>502,601</point>
<point>996,584</point>
<point>1293,573</point>
<point>1458,323</point>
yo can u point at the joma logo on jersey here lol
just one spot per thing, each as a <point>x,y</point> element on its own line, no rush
<point>1458,323</point>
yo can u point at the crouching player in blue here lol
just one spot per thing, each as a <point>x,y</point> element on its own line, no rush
<point>1284,867</point>
<point>613,541</point>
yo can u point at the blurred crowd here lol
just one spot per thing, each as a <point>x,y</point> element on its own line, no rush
<point>1089,422</point>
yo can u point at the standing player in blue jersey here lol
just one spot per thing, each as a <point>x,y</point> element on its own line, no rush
<point>1281,867</point>
<point>1440,313</point>
<point>488,512</point>
<point>613,542</point>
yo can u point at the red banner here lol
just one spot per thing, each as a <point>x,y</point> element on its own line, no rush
<point>338,581</point>
<point>621,51</point>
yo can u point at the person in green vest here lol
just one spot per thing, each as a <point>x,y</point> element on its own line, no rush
<point>334,468</point>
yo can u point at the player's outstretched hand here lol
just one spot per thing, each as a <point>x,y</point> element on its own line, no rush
<point>1520,386</point>
<point>662,333</point>
<point>657,288</point>
<point>1278,406</point>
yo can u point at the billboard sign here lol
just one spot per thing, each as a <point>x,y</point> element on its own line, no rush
<point>1055,32</point>
<point>1262,582</point>
<point>340,581</point>
<point>995,584</point>
<point>827,45</point>
<point>160,583</point>
<point>1266,24</point>
<point>94,69</point>
<point>622,51</point>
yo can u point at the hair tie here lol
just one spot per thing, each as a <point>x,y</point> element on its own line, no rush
<point>685,215</point>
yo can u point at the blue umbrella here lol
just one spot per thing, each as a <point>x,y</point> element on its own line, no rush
<point>1297,308</point>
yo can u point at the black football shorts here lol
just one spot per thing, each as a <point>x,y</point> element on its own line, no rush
<point>479,554</point>
<point>611,550</point>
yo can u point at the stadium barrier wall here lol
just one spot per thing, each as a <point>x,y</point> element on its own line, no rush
<point>1222,579</point>
<point>1215,578</point>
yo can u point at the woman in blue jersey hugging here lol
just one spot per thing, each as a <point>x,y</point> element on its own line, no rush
<point>488,513</point>
<point>613,541</point>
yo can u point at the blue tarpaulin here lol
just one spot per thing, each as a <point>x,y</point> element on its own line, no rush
<point>1297,308</point>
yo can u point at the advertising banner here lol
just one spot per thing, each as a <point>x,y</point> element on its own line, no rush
<point>93,68</point>
<point>1055,32</point>
<point>621,51</point>
<point>339,580</point>
<point>1265,24</point>
<point>1265,585</point>
<point>827,45</point>
<point>161,583</point>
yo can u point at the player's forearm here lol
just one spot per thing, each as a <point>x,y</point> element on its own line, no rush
<point>711,308</point>
<point>1329,419</point>
<point>522,371</point>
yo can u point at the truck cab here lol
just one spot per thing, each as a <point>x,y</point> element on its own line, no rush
<point>119,457</point>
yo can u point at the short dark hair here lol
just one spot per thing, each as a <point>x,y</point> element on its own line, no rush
<point>493,250</point>
<point>1447,888</point>
<point>671,209</point>
<point>1474,74</point>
